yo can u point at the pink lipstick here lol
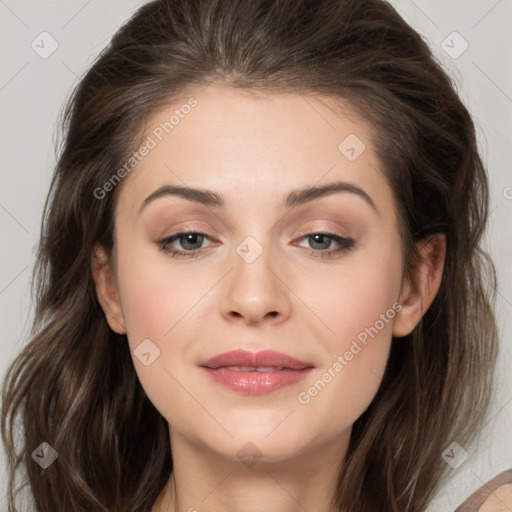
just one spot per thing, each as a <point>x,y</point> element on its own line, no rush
<point>256,373</point>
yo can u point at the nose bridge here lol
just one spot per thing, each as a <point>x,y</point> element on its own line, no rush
<point>254,292</point>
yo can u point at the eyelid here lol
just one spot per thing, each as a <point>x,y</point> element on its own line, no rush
<point>323,230</point>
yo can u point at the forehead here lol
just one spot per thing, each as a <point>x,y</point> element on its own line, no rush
<point>254,148</point>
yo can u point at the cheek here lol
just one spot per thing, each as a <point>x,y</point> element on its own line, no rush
<point>358,309</point>
<point>155,308</point>
<point>143,308</point>
<point>352,372</point>
<point>160,304</point>
<point>344,389</point>
<point>358,295</point>
<point>153,298</point>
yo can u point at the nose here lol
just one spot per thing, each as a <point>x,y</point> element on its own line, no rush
<point>256,292</point>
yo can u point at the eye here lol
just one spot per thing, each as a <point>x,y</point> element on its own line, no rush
<point>191,242</point>
<point>323,239</point>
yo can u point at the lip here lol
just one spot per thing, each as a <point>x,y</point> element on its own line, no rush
<point>288,371</point>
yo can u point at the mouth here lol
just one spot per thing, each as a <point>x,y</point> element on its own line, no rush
<point>265,360</point>
<point>252,368</point>
<point>256,373</point>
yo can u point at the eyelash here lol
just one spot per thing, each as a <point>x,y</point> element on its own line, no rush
<point>346,244</point>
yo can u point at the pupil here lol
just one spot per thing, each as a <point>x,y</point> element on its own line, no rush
<point>316,237</point>
<point>189,239</point>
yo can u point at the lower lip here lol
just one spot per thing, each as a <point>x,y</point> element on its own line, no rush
<point>256,383</point>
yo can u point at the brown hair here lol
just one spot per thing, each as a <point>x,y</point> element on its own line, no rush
<point>74,384</point>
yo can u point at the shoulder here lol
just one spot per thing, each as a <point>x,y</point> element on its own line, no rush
<point>499,501</point>
<point>493,496</point>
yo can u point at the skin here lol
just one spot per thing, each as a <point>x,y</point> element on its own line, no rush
<point>254,151</point>
<point>499,501</point>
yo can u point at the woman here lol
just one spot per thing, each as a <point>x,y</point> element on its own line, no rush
<point>196,345</point>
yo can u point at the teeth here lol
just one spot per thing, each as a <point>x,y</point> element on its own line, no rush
<point>252,368</point>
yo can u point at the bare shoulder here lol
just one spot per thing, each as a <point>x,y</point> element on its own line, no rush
<point>500,500</point>
<point>493,496</point>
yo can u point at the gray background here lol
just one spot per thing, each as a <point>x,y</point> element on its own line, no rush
<point>33,90</point>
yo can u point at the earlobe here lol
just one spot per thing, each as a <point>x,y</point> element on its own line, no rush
<point>417,296</point>
<point>106,290</point>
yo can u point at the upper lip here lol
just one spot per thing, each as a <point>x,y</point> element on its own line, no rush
<point>264,358</point>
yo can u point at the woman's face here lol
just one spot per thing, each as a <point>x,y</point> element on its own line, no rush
<point>258,279</point>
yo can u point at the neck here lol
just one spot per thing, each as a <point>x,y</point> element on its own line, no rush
<point>204,480</point>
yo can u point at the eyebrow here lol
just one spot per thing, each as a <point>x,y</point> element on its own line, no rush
<point>294,198</point>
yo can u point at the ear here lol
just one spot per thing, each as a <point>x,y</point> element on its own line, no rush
<point>416,297</point>
<point>106,290</point>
